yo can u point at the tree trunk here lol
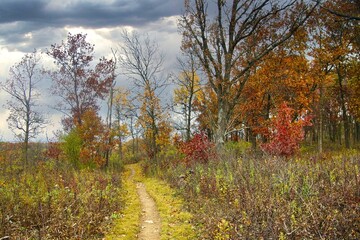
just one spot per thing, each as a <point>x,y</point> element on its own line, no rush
<point>321,121</point>
<point>321,133</point>
<point>357,132</point>
<point>252,139</point>
<point>109,124</point>
<point>188,121</point>
<point>26,137</point>
<point>222,122</point>
<point>120,148</point>
<point>345,117</point>
<point>346,128</point>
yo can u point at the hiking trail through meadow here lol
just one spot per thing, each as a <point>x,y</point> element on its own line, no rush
<point>150,224</point>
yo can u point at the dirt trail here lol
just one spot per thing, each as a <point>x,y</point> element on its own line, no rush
<point>150,224</point>
<point>150,219</point>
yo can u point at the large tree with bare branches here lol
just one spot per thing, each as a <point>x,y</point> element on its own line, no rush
<point>229,37</point>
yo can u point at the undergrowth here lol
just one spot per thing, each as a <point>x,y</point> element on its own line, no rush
<point>52,200</point>
<point>270,198</point>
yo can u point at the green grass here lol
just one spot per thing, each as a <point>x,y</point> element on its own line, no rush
<point>126,226</point>
<point>176,222</point>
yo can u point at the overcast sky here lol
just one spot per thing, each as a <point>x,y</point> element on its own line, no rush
<point>29,24</point>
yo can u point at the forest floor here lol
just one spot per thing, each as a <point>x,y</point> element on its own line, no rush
<point>152,210</point>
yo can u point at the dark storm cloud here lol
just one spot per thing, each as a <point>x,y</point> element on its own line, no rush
<point>23,10</point>
<point>44,18</point>
<point>88,13</point>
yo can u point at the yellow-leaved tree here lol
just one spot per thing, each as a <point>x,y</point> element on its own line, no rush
<point>187,94</point>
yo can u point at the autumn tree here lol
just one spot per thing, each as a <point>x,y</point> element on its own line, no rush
<point>76,81</point>
<point>25,119</point>
<point>186,93</point>
<point>122,111</point>
<point>283,75</point>
<point>86,144</point>
<point>142,61</point>
<point>94,134</point>
<point>349,9</point>
<point>334,48</point>
<point>230,37</point>
<point>354,104</point>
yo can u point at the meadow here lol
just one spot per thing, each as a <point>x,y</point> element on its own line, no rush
<point>237,193</point>
<point>240,194</point>
<point>50,199</point>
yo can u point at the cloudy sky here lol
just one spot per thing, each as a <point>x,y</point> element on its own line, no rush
<point>29,24</point>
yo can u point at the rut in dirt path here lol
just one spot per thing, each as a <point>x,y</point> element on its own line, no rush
<point>150,224</point>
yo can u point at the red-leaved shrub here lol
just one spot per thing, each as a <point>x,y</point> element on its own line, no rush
<point>285,134</point>
<point>198,149</point>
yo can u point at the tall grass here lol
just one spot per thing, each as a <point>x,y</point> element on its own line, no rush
<point>248,197</point>
<point>52,200</point>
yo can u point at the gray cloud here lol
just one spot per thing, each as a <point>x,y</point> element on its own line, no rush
<point>88,13</point>
<point>45,19</point>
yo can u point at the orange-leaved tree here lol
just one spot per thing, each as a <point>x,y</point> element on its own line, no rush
<point>86,144</point>
<point>230,41</point>
<point>93,134</point>
<point>334,49</point>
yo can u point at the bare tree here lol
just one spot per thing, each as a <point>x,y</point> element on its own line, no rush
<point>25,119</point>
<point>142,61</point>
<point>121,108</point>
<point>110,106</point>
<point>230,37</point>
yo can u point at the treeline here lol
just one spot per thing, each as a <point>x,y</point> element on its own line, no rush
<point>256,58</point>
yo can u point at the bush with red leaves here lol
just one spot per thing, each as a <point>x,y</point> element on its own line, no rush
<point>285,134</point>
<point>198,150</point>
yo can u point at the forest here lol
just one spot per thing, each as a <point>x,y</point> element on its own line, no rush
<point>260,139</point>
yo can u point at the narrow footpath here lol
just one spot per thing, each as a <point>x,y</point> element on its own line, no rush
<point>151,212</point>
<point>150,219</point>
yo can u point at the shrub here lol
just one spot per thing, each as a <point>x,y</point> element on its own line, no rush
<point>198,150</point>
<point>285,135</point>
<point>71,147</point>
<point>238,148</point>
